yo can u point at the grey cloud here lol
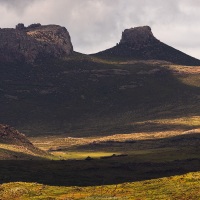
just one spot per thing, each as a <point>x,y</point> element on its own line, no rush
<point>16,5</point>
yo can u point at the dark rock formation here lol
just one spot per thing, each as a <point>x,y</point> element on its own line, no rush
<point>34,43</point>
<point>34,25</point>
<point>139,43</point>
<point>138,37</point>
<point>20,26</point>
<point>23,149</point>
<point>9,135</point>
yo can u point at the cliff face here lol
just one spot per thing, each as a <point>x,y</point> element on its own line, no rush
<point>138,36</point>
<point>28,44</point>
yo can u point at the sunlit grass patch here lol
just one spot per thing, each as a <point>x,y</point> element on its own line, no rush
<point>17,152</point>
<point>185,69</point>
<point>81,155</point>
<point>193,80</point>
<point>187,121</point>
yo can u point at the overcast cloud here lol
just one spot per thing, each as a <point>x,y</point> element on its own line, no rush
<point>95,25</point>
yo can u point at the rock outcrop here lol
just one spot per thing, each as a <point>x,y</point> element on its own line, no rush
<point>138,37</point>
<point>140,44</point>
<point>9,135</point>
<point>15,145</point>
<point>35,42</point>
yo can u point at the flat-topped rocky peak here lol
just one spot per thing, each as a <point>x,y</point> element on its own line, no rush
<point>137,36</point>
<point>34,42</point>
<point>139,43</point>
<point>52,35</point>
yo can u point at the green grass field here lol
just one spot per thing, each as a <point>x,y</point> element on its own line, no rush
<point>182,187</point>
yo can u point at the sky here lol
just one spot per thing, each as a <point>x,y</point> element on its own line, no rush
<point>95,25</point>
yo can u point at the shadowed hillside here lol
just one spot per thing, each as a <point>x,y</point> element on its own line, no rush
<point>83,95</point>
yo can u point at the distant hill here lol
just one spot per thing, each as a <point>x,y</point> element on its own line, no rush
<point>139,43</point>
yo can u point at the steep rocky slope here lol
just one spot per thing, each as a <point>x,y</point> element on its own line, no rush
<point>15,145</point>
<point>35,42</point>
<point>9,135</point>
<point>139,43</point>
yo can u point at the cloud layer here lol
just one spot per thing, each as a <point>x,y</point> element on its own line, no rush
<point>97,25</point>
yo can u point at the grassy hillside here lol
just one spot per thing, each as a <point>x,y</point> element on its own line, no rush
<point>85,96</point>
<point>177,187</point>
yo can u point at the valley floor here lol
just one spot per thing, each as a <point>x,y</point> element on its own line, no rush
<point>161,163</point>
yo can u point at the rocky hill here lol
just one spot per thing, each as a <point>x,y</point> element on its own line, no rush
<point>35,42</point>
<point>139,43</point>
<point>138,37</point>
<point>15,145</point>
<point>9,135</point>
